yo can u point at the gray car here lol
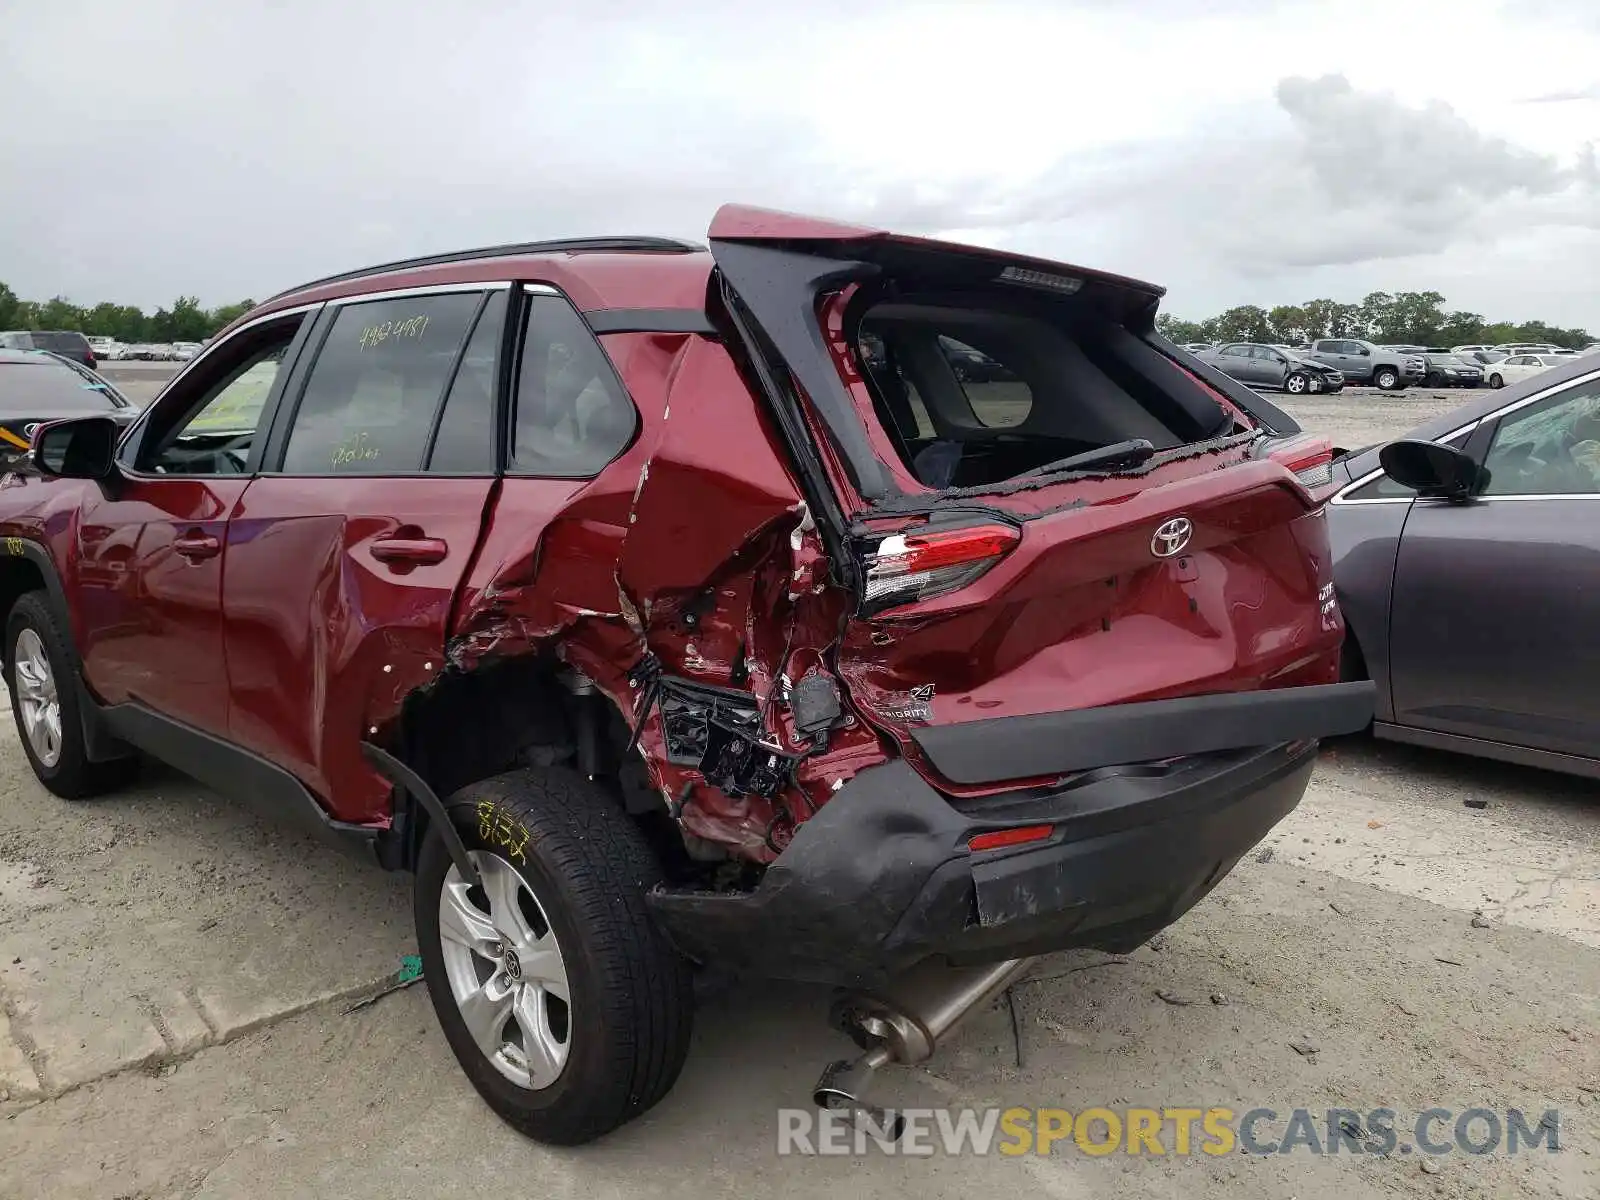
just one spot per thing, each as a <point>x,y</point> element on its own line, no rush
<point>1260,365</point>
<point>1466,559</point>
<point>1366,362</point>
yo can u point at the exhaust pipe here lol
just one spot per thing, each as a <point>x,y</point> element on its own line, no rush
<point>904,1022</point>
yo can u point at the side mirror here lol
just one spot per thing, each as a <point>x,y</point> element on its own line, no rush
<point>1430,469</point>
<point>82,448</point>
<point>1365,353</point>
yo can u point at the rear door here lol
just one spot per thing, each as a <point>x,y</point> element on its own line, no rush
<point>1495,600</point>
<point>1093,527</point>
<point>346,553</point>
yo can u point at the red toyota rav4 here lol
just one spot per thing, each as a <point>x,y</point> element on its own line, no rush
<point>824,604</point>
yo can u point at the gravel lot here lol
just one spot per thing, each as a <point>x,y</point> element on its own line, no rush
<point>175,975</point>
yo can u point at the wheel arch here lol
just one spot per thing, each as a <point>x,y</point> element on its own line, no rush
<point>26,566</point>
<point>524,711</point>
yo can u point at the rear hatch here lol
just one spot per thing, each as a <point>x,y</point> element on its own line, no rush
<point>1039,505</point>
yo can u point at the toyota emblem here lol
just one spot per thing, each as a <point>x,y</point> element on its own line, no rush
<point>1171,537</point>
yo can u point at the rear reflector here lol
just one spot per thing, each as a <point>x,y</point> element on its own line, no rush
<point>914,566</point>
<point>1001,838</point>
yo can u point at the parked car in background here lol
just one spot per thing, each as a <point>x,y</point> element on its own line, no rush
<point>37,386</point>
<point>879,712</point>
<point>1483,357</point>
<point>1466,561</point>
<point>1197,347</point>
<point>184,351</point>
<point>1451,370</point>
<point>971,365</point>
<point>1517,367</point>
<point>151,352</point>
<point>68,343</point>
<point>1261,365</point>
<point>105,349</point>
<point>1365,362</point>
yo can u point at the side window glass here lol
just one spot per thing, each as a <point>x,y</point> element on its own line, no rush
<point>378,380</point>
<point>1549,448</point>
<point>999,397</point>
<point>218,436</point>
<point>464,442</point>
<point>572,414</point>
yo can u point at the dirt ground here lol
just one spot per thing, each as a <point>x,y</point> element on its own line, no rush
<point>176,978</point>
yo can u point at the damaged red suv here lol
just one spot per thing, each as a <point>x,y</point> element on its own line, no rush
<point>822,604</point>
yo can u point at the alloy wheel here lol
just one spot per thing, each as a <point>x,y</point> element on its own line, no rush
<point>37,698</point>
<point>506,971</point>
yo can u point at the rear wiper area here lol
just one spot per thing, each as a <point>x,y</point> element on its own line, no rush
<point>1133,453</point>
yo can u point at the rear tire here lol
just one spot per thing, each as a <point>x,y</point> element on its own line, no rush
<point>45,703</point>
<point>1386,378</point>
<point>1495,381</point>
<point>629,1007</point>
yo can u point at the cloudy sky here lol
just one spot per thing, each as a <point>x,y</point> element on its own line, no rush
<point>1262,152</point>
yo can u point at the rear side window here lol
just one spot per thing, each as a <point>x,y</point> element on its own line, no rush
<point>573,415</point>
<point>999,397</point>
<point>369,403</point>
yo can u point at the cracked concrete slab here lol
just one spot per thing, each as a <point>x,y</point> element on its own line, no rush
<point>146,925</point>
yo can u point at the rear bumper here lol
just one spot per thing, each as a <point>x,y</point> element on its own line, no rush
<point>882,877</point>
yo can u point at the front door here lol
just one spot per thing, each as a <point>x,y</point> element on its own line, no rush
<point>346,554</point>
<point>150,548</point>
<point>1496,601</point>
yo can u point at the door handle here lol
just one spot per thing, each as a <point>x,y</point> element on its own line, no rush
<point>195,545</point>
<point>410,549</point>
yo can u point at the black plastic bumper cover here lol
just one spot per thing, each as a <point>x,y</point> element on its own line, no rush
<point>1056,743</point>
<point>881,877</point>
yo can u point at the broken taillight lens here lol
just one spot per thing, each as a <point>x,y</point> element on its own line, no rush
<point>915,566</point>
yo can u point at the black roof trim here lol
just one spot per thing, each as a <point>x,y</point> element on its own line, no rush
<point>615,245</point>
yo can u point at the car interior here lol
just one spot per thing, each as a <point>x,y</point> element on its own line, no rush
<point>972,396</point>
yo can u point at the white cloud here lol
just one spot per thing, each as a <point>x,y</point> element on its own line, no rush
<point>1256,152</point>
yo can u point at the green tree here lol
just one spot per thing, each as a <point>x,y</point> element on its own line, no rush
<point>8,308</point>
<point>1246,323</point>
<point>1291,323</point>
<point>227,314</point>
<point>59,313</point>
<point>1331,319</point>
<point>1176,329</point>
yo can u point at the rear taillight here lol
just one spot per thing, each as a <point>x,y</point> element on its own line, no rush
<point>1310,458</point>
<point>915,566</point>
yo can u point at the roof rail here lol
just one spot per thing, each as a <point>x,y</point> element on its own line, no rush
<point>617,245</point>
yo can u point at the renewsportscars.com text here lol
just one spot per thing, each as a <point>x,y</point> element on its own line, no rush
<point>1168,1131</point>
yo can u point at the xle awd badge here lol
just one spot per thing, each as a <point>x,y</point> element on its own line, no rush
<point>1171,537</point>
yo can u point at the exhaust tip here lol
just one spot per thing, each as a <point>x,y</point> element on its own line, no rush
<point>840,1088</point>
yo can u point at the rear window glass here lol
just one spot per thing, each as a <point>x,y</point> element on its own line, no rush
<point>69,342</point>
<point>47,387</point>
<point>971,396</point>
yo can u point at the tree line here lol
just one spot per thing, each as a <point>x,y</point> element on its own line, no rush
<point>185,321</point>
<point>1394,318</point>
